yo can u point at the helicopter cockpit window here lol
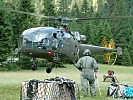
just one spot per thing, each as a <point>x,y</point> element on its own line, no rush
<point>55,41</point>
<point>59,34</point>
<point>55,44</point>
<point>37,34</point>
<point>66,35</point>
<point>45,43</point>
<point>41,34</point>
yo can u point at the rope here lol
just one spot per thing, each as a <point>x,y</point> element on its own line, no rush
<point>99,87</point>
<point>114,59</point>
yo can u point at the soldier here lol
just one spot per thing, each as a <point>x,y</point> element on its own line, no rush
<point>88,67</point>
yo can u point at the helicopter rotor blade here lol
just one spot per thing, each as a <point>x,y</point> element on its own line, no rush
<point>95,18</point>
<point>68,19</point>
<point>28,13</point>
<point>103,18</point>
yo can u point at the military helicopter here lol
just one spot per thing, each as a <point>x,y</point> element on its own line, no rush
<point>58,45</point>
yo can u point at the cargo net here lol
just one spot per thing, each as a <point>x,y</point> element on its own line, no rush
<point>50,89</point>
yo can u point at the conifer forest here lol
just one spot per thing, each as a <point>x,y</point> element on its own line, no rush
<point>12,24</point>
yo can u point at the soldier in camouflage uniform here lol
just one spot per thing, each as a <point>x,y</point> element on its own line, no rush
<point>88,67</point>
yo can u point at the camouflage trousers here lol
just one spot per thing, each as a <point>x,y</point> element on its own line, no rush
<point>84,84</point>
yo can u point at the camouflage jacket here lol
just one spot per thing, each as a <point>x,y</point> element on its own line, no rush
<point>87,65</point>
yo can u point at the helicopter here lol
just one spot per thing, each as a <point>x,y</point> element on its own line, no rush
<point>58,45</point>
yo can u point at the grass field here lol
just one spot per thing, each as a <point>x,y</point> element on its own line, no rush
<point>10,82</point>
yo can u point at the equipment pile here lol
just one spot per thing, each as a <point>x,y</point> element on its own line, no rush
<point>50,89</point>
<point>120,91</point>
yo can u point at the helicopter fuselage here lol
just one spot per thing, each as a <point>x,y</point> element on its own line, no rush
<point>49,43</point>
<point>57,45</point>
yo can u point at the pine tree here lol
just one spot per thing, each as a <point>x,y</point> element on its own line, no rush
<point>100,29</point>
<point>121,28</point>
<point>90,30</point>
<point>126,60</point>
<point>88,27</point>
<point>26,21</point>
<point>12,19</point>
<point>86,9</point>
<point>130,49</point>
<point>63,9</point>
<point>5,33</point>
<point>75,11</point>
<point>4,43</point>
<point>109,7</point>
<point>129,9</point>
<point>104,31</point>
<point>48,10</point>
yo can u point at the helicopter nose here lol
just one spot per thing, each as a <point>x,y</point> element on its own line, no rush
<point>24,42</point>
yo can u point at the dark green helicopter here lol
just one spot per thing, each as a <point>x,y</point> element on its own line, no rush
<point>59,45</point>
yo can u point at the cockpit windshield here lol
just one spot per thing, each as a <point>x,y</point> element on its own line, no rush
<point>37,34</point>
<point>44,38</point>
<point>66,35</point>
<point>63,35</point>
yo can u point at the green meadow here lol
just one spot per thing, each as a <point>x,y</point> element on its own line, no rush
<point>10,82</point>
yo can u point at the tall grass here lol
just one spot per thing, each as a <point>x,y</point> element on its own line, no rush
<point>10,82</point>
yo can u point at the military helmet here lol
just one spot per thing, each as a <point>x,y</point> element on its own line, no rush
<point>87,52</point>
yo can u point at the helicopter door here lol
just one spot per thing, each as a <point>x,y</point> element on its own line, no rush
<point>64,44</point>
<point>73,48</point>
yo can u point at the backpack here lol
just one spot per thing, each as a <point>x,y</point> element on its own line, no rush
<point>113,90</point>
<point>120,90</point>
<point>126,91</point>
